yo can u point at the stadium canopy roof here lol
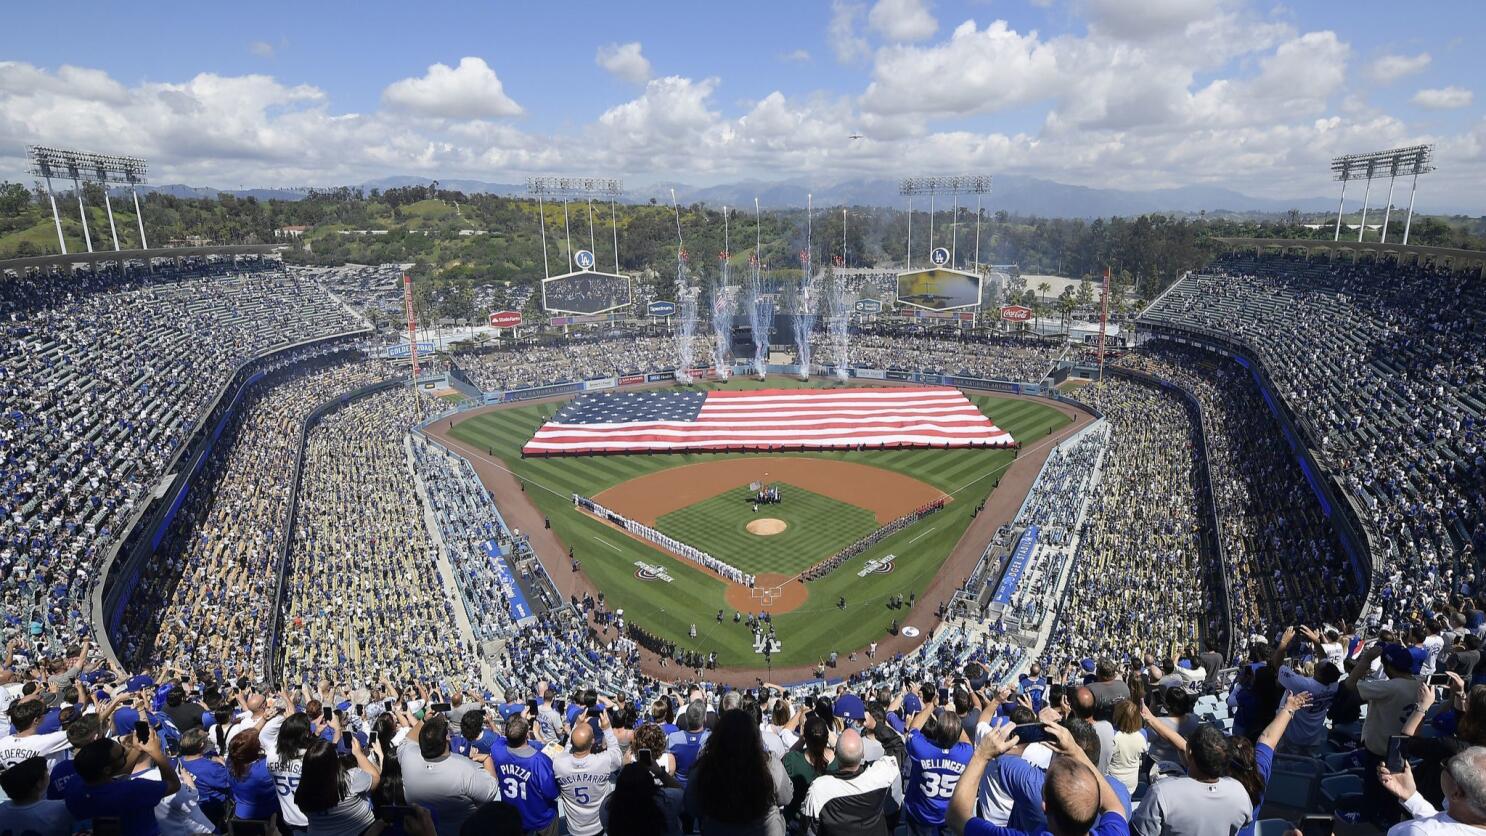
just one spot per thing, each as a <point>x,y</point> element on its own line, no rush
<point>51,262</point>
<point>1456,258</point>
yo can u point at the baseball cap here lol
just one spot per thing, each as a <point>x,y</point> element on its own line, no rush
<point>1397,656</point>
<point>140,682</point>
<point>849,706</point>
<point>124,720</point>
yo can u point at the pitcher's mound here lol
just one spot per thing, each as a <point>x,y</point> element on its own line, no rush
<point>767,526</point>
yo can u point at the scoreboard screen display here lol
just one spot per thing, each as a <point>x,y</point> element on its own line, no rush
<point>939,290</point>
<point>586,292</point>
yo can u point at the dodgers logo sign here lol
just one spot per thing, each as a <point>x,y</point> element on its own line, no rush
<point>939,256</point>
<point>584,259</point>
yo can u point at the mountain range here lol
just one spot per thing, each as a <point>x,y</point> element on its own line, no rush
<point>1016,194</point>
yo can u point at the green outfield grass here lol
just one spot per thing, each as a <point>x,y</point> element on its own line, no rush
<point>818,528</point>
<point>694,597</point>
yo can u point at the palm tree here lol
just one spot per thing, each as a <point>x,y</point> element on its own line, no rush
<point>1042,289</point>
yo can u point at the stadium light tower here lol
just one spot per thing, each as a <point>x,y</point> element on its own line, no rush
<point>567,187</point>
<point>84,167</point>
<point>976,184</point>
<point>1411,161</point>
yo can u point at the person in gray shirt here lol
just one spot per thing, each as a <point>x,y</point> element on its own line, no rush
<point>1200,803</point>
<point>451,786</point>
<point>585,777</point>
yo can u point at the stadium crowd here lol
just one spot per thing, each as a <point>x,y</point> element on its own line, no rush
<point>103,377</point>
<point>996,358</point>
<point>539,365</point>
<point>208,594</point>
<point>1383,365</point>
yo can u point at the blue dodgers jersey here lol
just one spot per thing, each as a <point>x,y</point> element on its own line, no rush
<point>528,784</point>
<point>933,774</point>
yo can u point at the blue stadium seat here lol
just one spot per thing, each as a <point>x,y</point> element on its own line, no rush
<point>1336,787</point>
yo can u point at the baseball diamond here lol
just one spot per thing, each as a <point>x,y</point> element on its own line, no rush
<point>808,620</point>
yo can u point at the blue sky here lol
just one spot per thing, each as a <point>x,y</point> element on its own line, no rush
<point>1254,96</point>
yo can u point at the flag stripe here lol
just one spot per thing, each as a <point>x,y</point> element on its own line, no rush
<point>769,419</point>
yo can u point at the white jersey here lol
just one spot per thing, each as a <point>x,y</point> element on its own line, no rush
<point>584,781</point>
<point>53,747</point>
<point>285,773</point>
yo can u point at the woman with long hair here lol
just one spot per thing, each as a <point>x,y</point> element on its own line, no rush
<point>735,786</point>
<point>334,799</point>
<point>806,764</point>
<point>286,739</point>
<point>253,793</point>
<point>639,805</point>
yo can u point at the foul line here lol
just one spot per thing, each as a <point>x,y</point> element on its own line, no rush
<point>919,537</point>
<point>607,543</point>
<point>1052,438</point>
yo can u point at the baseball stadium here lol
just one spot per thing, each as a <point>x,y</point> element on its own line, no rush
<point>864,418</point>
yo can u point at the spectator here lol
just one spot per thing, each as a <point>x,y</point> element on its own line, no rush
<point>642,803</point>
<point>108,791</point>
<point>1204,802</point>
<point>937,754</point>
<point>1388,701</point>
<point>1130,745</point>
<point>854,798</point>
<point>254,795</point>
<point>25,811</point>
<point>333,798</point>
<point>212,782</point>
<point>526,779</point>
<point>585,777</point>
<point>1463,785</point>
<point>450,785</point>
<point>736,787</point>
<point>813,759</point>
<point>1077,799</point>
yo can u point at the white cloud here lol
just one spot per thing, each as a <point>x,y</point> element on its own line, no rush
<point>798,56</point>
<point>1390,68</point>
<point>262,49</point>
<point>902,20</point>
<point>975,71</point>
<point>1443,98</point>
<point>842,32</point>
<point>469,91</point>
<point>625,61</point>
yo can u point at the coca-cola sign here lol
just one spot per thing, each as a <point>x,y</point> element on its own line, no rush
<point>1016,313</point>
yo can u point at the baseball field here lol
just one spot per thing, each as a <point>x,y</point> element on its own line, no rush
<point>829,500</point>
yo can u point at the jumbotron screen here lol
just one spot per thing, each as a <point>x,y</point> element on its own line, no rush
<point>586,293</point>
<point>939,290</point>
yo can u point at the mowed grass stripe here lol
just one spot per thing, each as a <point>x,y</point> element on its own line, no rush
<point>818,527</point>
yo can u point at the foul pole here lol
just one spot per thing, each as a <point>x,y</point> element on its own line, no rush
<point>407,300</point>
<point>1103,323</point>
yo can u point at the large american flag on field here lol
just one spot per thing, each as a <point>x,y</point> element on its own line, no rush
<point>766,419</point>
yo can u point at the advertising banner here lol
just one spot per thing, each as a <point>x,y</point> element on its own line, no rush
<point>1015,313</point>
<point>655,377</point>
<point>505,319</point>
<point>398,352</point>
<point>600,383</point>
<point>515,599</point>
<point>1016,566</point>
<point>869,374</point>
<point>661,308</point>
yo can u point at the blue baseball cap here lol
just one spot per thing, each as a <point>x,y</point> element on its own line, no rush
<point>849,706</point>
<point>139,682</point>
<point>1397,656</point>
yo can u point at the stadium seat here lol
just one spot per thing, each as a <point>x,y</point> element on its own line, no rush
<point>1272,827</point>
<point>1335,787</point>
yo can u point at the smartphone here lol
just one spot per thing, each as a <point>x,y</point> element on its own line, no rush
<point>644,758</point>
<point>943,696</point>
<point>326,714</point>
<point>1031,733</point>
<point>360,709</point>
<point>386,705</point>
<point>531,705</point>
<point>1439,679</point>
<point>142,731</point>
<point>1395,753</point>
<point>371,739</point>
<point>595,711</point>
<point>1316,824</point>
<point>441,707</point>
<point>560,706</point>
